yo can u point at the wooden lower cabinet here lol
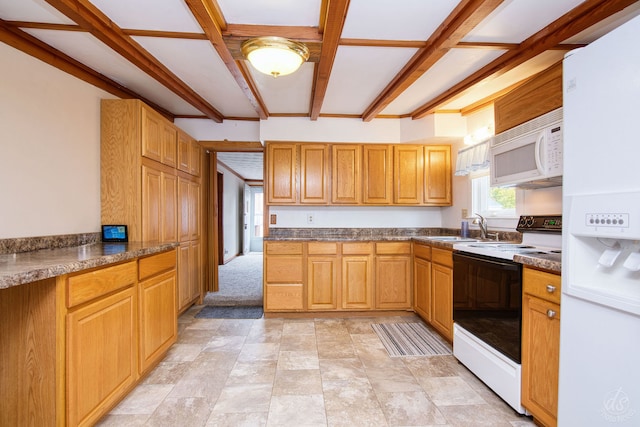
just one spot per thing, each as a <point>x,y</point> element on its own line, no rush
<point>158,327</point>
<point>101,355</point>
<point>189,274</point>
<point>422,281</point>
<point>283,276</point>
<point>540,344</point>
<point>357,282</point>
<point>393,275</point>
<point>120,322</point>
<point>322,280</point>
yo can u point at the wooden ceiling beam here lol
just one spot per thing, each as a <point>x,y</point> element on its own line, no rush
<point>30,45</point>
<point>583,16</point>
<point>466,15</point>
<point>100,26</point>
<point>333,24</point>
<point>302,34</point>
<point>206,13</point>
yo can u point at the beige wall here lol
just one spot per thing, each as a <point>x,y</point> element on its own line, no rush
<point>49,149</point>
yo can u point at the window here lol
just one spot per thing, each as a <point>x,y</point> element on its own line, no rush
<point>491,202</point>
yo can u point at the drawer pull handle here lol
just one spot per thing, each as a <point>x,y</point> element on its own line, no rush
<point>551,289</point>
<point>551,314</point>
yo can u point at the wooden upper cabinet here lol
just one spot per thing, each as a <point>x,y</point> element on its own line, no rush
<point>538,96</point>
<point>188,154</point>
<point>408,163</point>
<point>281,173</point>
<point>158,138</point>
<point>377,175</point>
<point>437,175</point>
<point>346,186</point>
<point>314,173</point>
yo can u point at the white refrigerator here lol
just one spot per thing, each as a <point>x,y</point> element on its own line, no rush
<point>599,381</point>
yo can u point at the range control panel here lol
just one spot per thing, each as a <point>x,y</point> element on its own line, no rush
<point>550,223</point>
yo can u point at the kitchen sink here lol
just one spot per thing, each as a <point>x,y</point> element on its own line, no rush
<point>452,239</point>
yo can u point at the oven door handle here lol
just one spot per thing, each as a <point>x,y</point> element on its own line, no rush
<point>506,265</point>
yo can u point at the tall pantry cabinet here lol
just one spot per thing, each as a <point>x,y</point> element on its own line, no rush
<point>150,181</point>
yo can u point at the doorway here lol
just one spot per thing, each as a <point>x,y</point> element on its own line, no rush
<point>238,217</point>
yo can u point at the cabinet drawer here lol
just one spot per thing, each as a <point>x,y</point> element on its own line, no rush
<point>283,269</point>
<point>422,251</point>
<point>284,248</point>
<point>322,248</point>
<point>442,257</point>
<point>357,248</point>
<point>541,284</point>
<point>393,248</point>
<point>87,286</point>
<point>283,297</point>
<point>152,265</point>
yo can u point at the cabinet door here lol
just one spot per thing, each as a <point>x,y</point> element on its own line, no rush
<point>194,210</point>
<point>437,175</point>
<point>195,280</point>
<point>393,282</point>
<point>540,355</point>
<point>422,288</point>
<point>321,282</point>
<point>184,152</point>
<point>184,203</point>
<point>345,172</point>
<point>442,300</point>
<point>314,173</point>
<point>281,173</point>
<point>377,175</point>
<point>169,138</point>
<point>158,318</point>
<point>184,275</point>
<point>101,356</point>
<point>357,282</point>
<point>194,151</point>
<point>152,131</point>
<point>283,276</point>
<point>151,204</point>
<point>169,206</point>
<point>408,175</point>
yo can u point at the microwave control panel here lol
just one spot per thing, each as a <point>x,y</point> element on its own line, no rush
<point>554,150</point>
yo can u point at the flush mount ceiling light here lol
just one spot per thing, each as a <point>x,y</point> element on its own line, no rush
<point>275,56</point>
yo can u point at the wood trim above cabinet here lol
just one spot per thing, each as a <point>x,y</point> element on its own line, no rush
<point>543,93</point>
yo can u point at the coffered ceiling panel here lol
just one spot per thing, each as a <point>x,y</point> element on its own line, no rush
<point>197,64</point>
<point>286,94</point>
<point>346,93</point>
<point>304,13</point>
<point>91,52</point>
<point>31,10</point>
<point>157,15</point>
<point>453,67</point>
<point>397,20</point>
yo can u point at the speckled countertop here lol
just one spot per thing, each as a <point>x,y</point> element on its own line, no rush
<point>551,262</point>
<point>24,267</point>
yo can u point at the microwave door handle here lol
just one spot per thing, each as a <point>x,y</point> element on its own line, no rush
<point>538,151</point>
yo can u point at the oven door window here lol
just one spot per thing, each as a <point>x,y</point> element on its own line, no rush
<point>487,301</point>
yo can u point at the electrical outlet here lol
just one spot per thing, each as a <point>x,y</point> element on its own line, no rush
<point>273,218</point>
<point>465,213</point>
<point>310,218</point>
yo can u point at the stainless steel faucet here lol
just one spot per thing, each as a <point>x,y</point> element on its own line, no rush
<point>482,223</point>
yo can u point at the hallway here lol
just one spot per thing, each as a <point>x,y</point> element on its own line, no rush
<point>304,372</point>
<point>240,282</point>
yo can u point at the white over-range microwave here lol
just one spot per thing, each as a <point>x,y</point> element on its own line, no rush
<point>529,155</point>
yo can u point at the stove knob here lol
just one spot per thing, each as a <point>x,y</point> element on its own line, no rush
<point>522,222</point>
<point>530,221</point>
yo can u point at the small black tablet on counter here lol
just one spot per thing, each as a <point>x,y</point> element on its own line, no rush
<point>115,233</point>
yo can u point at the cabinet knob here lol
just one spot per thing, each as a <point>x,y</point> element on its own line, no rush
<point>551,314</point>
<point>551,289</point>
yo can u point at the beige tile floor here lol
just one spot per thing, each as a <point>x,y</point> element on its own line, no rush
<point>304,372</point>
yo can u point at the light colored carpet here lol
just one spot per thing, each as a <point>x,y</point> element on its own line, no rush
<point>240,282</point>
<point>410,339</point>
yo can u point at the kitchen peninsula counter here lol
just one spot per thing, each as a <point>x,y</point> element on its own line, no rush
<point>25,267</point>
